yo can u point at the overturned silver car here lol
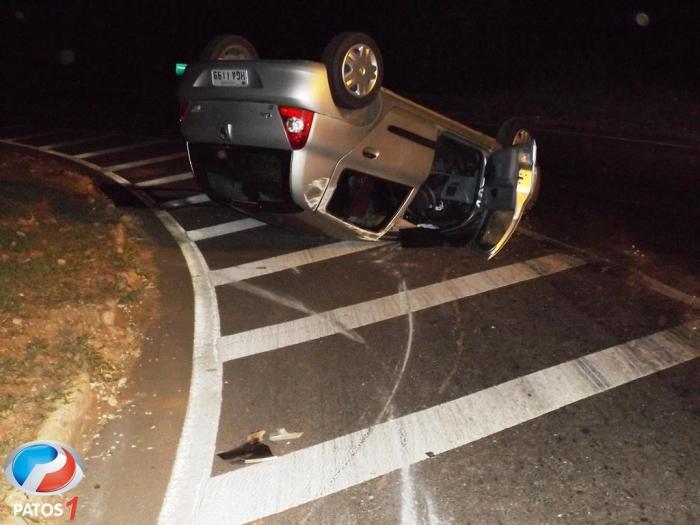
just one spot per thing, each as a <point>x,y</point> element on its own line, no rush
<point>324,145</point>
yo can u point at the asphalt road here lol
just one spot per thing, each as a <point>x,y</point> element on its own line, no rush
<point>554,384</point>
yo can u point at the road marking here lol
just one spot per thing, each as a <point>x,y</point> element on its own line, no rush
<point>116,149</point>
<point>290,260</point>
<point>165,180</point>
<point>329,467</point>
<point>199,198</point>
<point>76,141</point>
<point>224,229</point>
<point>653,284</point>
<point>265,339</point>
<point>30,136</point>
<point>197,444</point>
<point>146,162</point>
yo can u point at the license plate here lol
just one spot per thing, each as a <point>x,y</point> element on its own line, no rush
<point>229,77</point>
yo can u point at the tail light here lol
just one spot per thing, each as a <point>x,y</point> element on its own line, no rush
<point>183,110</point>
<point>297,125</point>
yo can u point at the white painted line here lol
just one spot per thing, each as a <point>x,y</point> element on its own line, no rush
<point>165,180</point>
<point>116,149</point>
<point>75,142</point>
<point>669,291</point>
<point>199,198</point>
<point>145,162</point>
<point>653,284</point>
<point>224,229</point>
<point>290,260</point>
<point>30,136</point>
<point>254,492</point>
<point>265,339</point>
<point>197,444</point>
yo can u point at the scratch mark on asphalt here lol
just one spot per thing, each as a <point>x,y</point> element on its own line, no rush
<point>409,516</point>
<point>387,407</point>
<point>406,355</point>
<point>458,337</point>
<point>386,253</point>
<point>295,304</point>
<point>411,511</point>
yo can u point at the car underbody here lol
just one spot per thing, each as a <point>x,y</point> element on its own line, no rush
<point>270,139</point>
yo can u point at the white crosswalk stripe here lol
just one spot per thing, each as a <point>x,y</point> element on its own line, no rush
<point>344,319</point>
<point>116,149</point>
<point>145,162</point>
<point>223,229</point>
<point>331,466</point>
<point>199,198</point>
<point>290,260</point>
<point>75,142</point>
<point>165,180</point>
<point>20,138</point>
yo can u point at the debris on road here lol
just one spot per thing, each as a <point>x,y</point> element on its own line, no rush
<point>252,451</point>
<point>248,453</point>
<point>256,437</point>
<point>262,453</point>
<point>284,435</point>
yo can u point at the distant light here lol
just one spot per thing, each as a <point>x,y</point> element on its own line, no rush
<point>642,19</point>
<point>19,15</point>
<point>180,69</point>
<point>66,57</point>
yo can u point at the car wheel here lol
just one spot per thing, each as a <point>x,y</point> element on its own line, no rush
<point>513,131</point>
<point>355,69</point>
<point>229,47</point>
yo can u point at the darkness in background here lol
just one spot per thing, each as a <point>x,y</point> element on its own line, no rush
<point>125,51</point>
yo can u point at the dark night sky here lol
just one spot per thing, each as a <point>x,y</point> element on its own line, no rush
<point>127,49</point>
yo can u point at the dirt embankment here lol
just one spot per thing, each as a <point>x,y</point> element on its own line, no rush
<point>76,294</point>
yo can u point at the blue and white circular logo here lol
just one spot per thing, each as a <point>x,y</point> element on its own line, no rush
<point>44,468</point>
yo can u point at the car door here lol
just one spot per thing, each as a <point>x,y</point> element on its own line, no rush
<point>511,180</point>
<point>373,183</point>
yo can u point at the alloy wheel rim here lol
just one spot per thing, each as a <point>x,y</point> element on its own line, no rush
<point>360,68</point>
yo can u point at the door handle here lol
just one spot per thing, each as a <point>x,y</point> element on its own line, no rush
<point>370,153</point>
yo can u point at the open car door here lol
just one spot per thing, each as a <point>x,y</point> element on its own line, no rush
<point>511,181</point>
<point>373,184</point>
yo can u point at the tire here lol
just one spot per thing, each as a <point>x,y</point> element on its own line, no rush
<point>339,55</point>
<point>229,47</point>
<point>513,131</point>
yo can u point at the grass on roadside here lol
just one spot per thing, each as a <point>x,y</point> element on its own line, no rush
<point>75,273</point>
